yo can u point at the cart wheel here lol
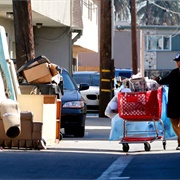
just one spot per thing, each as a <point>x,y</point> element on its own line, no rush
<point>147,146</point>
<point>61,136</point>
<point>164,145</point>
<point>125,147</point>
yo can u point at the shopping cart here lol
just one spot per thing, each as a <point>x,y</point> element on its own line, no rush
<point>139,107</point>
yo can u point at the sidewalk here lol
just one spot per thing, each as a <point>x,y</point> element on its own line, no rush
<point>94,125</point>
<point>111,146</point>
<point>99,142</point>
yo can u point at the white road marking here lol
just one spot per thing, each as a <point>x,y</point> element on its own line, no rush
<point>117,178</point>
<point>116,168</point>
<point>98,127</point>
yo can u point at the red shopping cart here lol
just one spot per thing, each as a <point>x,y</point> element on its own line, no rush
<point>138,107</point>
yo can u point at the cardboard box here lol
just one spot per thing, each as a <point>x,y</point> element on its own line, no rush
<point>38,74</point>
<point>43,108</point>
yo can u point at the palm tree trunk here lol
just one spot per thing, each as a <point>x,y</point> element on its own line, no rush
<point>147,13</point>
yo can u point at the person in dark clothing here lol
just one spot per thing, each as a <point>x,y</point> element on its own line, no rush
<point>172,80</point>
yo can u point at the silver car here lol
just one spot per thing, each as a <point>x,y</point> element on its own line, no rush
<point>91,96</point>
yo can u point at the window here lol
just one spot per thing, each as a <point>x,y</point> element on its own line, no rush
<point>67,81</point>
<point>82,78</point>
<point>175,39</point>
<point>95,80</point>
<point>158,43</point>
<point>92,79</point>
<point>90,10</point>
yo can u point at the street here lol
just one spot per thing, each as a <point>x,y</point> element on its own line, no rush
<point>92,157</point>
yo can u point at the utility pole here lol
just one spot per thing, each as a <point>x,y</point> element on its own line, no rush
<point>24,36</point>
<point>134,36</point>
<point>106,61</point>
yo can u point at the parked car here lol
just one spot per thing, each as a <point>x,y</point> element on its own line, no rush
<point>91,95</point>
<point>123,72</point>
<point>73,112</point>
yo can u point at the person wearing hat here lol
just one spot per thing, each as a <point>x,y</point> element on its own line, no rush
<point>172,80</point>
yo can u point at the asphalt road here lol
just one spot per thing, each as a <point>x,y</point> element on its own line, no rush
<point>92,157</point>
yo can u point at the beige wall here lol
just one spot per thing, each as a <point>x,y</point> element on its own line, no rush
<point>88,59</point>
<point>90,36</point>
<point>122,52</point>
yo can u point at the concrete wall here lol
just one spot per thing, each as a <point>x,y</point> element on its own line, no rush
<point>164,60</point>
<point>55,44</point>
<point>123,49</point>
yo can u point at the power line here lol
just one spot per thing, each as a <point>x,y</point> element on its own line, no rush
<point>167,10</point>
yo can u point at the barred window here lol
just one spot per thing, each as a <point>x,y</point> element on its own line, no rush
<point>158,43</point>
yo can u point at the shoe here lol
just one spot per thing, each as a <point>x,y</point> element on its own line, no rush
<point>42,145</point>
<point>178,148</point>
<point>39,144</point>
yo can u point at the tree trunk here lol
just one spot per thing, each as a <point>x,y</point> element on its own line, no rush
<point>24,36</point>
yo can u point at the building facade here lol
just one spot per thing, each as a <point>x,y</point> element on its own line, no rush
<point>57,27</point>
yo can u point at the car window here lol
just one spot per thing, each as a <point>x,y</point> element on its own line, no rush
<point>95,80</point>
<point>67,81</point>
<point>91,79</point>
<point>82,78</point>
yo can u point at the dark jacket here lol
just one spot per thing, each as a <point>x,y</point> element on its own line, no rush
<point>173,81</point>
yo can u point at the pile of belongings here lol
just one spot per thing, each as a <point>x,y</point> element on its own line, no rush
<point>40,76</point>
<point>39,71</point>
<point>137,83</point>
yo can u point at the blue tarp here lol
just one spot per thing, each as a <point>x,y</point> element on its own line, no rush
<point>143,128</point>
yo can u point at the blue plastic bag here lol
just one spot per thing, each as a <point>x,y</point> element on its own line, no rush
<point>135,128</point>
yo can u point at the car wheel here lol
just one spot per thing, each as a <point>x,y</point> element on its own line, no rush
<point>79,131</point>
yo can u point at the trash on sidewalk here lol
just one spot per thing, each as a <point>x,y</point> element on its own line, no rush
<point>39,70</point>
<point>10,114</point>
<point>41,77</point>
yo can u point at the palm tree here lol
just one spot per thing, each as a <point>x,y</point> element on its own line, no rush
<point>158,12</point>
<point>121,10</point>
